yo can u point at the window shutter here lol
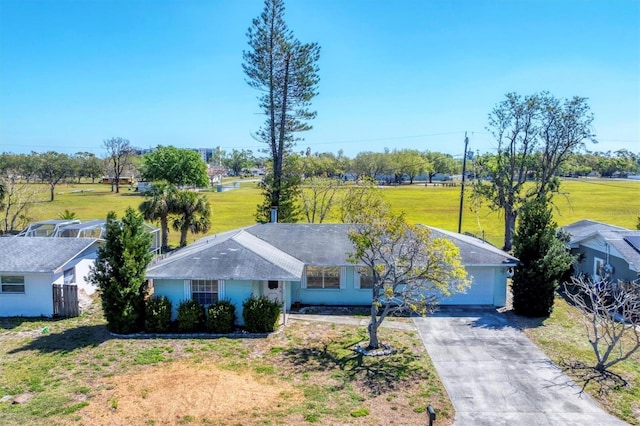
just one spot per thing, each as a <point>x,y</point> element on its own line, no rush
<point>221,290</point>
<point>187,289</point>
<point>343,277</point>
<point>303,283</point>
<point>356,277</point>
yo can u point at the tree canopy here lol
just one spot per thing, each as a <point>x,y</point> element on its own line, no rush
<point>178,166</point>
<point>408,269</point>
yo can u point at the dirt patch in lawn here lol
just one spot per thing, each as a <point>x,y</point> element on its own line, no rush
<point>181,393</point>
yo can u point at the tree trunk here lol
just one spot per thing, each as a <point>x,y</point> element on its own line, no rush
<point>164,229</point>
<point>52,190</point>
<point>183,237</point>
<point>509,227</point>
<point>373,329</point>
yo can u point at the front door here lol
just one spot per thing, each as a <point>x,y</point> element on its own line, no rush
<point>273,290</point>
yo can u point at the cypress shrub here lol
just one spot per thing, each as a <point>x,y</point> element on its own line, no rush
<point>221,317</point>
<point>260,314</point>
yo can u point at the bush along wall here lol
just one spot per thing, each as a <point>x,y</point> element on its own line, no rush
<point>260,314</point>
<point>157,318</point>
<point>221,317</point>
<point>191,316</point>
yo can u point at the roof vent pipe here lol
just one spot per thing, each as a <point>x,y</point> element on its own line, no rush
<point>274,215</point>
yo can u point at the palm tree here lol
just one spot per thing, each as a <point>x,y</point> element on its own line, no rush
<point>193,214</point>
<point>159,207</point>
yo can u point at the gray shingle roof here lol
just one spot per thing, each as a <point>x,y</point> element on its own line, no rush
<point>474,251</point>
<point>39,254</point>
<point>280,251</point>
<point>234,255</point>
<point>583,228</point>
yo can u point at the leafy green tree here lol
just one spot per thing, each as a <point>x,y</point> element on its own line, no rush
<point>119,272</point>
<point>88,166</point>
<point>67,214</point>
<point>410,270</point>
<point>159,205</point>
<point>371,165</point>
<point>119,154</point>
<point>178,166</point>
<point>361,196</point>
<point>285,72</point>
<point>192,213</point>
<point>53,168</point>
<point>407,162</point>
<point>544,258</point>
<point>535,135</point>
<point>437,162</point>
<point>238,160</point>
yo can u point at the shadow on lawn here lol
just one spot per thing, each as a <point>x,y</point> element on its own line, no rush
<point>68,340</point>
<point>377,374</point>
<point>602,382</point>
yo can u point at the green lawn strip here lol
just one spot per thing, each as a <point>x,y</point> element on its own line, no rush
<point>563,338</point>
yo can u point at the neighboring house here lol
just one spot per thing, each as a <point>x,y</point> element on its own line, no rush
<point>604,251</point>
<point>29,268</point>
<point>306,264</point>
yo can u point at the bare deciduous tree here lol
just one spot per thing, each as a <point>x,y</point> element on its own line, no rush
<point>317,198</point>
<point>611,318</point>
<point>18,197</point>
<point>118,153</point>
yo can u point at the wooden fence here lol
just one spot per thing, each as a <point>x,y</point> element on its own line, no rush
<point>65,300</point>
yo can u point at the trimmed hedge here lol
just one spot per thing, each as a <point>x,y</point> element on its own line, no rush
<point>191,316</point>
<point>221,317</point>
<point>260,314</point>
<point>157,317</point>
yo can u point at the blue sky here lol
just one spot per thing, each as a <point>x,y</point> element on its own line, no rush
<point>394,74</point>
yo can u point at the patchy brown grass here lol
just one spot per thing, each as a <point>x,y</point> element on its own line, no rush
<point>76,373</point>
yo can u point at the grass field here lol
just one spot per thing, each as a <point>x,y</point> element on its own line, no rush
<point>612,201</point>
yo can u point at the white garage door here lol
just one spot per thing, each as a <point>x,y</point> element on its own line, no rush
<point>479,293</point>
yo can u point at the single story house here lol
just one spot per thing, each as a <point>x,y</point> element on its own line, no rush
<point>604,251</point>
<point>30,267</point>
<point>303,263</point>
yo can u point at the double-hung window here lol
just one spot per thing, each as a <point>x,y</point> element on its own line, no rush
<point>70,276</point>
<point>323,277</point>
<point>364,277</point>
<point>11,284</point>
<point>205,292</point>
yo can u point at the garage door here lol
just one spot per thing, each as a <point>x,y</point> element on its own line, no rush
<point>479,293</point>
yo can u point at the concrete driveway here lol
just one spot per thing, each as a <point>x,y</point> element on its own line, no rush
<point>496,376</point>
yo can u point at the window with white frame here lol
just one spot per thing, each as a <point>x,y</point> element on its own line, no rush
<point>323,277</point>
<point>69,276</point>
<point>205,292</point>
<point>11,284</point>
<point>364,277</point>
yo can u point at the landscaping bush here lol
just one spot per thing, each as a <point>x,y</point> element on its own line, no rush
<point>260,314</point>
<point>221,317</point>
<point>191,316</point>
<point>157,317</point>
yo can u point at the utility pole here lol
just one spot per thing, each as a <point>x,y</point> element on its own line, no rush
<point>464,171</point>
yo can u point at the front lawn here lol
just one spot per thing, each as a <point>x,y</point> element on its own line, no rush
<point>73,371</point>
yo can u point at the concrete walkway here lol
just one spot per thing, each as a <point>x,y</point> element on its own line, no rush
<point>496,376</point>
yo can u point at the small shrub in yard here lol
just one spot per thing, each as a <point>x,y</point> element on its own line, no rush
<point>157,317</point>
<point>191,316</point>
<point>221,317</point>
<point>260,314</point>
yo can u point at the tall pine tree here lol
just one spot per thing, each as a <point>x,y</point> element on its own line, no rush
<point>119,272</point>
<point>544,258</point>
<point>285,71</point>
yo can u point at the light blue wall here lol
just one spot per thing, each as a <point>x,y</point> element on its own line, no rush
<point>173,290</point>
<point>237,292</point>
<point>344,296</point>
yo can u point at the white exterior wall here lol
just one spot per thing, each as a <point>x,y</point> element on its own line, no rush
<point>37,299</point>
